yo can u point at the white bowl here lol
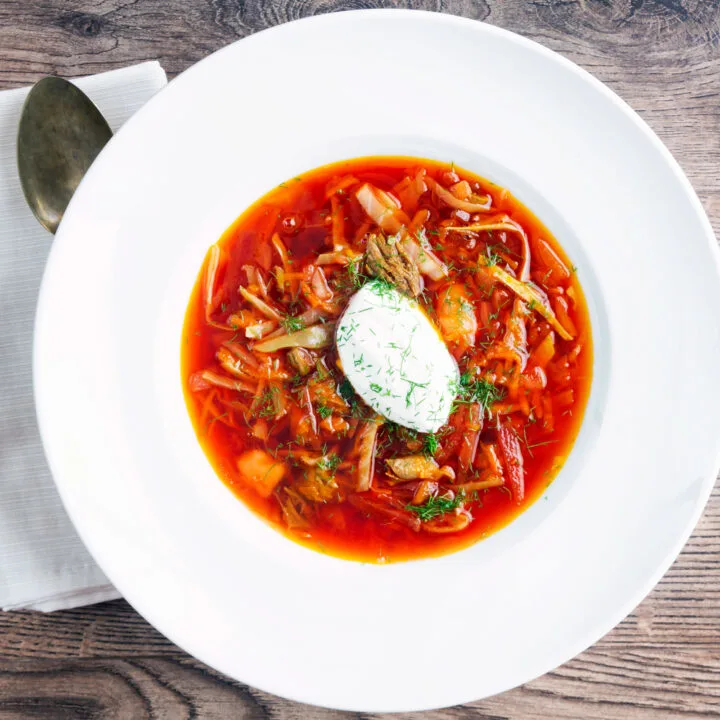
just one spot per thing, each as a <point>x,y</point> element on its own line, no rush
<point>212,576</point>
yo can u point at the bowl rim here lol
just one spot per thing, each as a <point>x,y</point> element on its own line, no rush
<point>594,630</point>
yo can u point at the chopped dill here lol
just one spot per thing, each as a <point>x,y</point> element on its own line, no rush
<point>324,411</point>
<point>436,506</point>
<point>495,315</point>
<point>412,385</point>
<point>525,440</point>
<point>355,272</point>
<point>330,463</point>
<point>382,288</point>
<point>212,420</point>
<point>541,444</point>
<point>430,444</point>
<point>478,390</point>
<point>491,257</point>
<point>292,324</point>
<point>268,402</point>
<point>345,332</point>
<point>394,432</point>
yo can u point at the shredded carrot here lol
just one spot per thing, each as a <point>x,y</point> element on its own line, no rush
<point>489,450</point>
<point>561,311</point>
<point>338,224</point>
<point>418,221</point>
<point>490,482</point>
<point>340,185</point>
<point>545,350</point>
<point>361,232</point>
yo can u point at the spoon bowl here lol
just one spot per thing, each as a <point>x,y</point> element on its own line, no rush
<point>60,134</point>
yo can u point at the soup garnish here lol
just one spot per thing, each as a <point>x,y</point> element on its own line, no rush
<point>387,358</point>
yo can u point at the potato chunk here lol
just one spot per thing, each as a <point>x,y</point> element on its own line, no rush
<point>261,470</point>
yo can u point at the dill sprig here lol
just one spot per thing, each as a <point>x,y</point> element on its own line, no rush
<point>478,390</point>
<point>329,463</point>
<point>356,276</point>
<point>436,506</point>
<point>491,257</point>
<point>292,324</point>
<point>324,411</point>
<point>430,444</point>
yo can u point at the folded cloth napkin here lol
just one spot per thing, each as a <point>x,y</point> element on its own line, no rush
<point>43,563</point>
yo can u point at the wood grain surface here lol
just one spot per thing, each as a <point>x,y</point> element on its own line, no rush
<point>663,58</point>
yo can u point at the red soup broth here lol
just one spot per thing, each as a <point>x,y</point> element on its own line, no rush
<point>283,431</point>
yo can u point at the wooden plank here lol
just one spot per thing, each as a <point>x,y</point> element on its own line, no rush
<point>663,661</point>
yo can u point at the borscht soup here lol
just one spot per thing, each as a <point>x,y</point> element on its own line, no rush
<point>387,358</point>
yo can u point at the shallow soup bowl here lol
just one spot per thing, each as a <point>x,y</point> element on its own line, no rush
<point>194,560</point>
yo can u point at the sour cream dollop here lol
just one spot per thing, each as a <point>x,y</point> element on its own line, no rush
<point>395,359</point>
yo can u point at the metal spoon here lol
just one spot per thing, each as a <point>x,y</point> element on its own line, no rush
<point>61,132</point>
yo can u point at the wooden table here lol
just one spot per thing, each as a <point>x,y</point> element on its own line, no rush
<point>661,56</point>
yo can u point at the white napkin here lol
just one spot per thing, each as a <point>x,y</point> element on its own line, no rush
<point>43,564</point>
